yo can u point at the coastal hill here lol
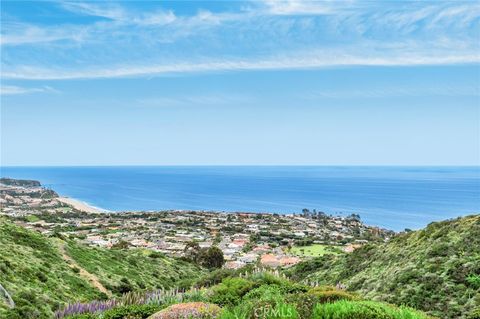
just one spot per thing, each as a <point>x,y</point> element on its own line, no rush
<point>436,269</point>
<point>51,277</point>
<point>42,273</point>
<point>19,182</point>
<point>59,261</point>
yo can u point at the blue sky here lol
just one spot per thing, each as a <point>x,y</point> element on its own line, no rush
<point>254,82</point>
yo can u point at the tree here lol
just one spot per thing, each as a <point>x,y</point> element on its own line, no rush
<point>218,239</point>
<point>211,257</point>
<point>192,251</point>
<point>121,244</point>
<point>305,212</point>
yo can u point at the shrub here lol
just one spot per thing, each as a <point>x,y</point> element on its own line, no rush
<point>330,294</point>
<point>191,310</point>
<point>258,310</point>
<point>214,277</point>
<point>230,291</point>
<point>124,286</point>
<point>474,281</point>
<point>279,311</point>
<point>131,312</point>
<point>265,292</point>
<point>475,314</point>
<point>285,285</point>
<point>124,312</point>
<point>364,310</point>
<point>155,254</point>
<point>265,302</point>
<point>211,257</point>
<point>305,302</point>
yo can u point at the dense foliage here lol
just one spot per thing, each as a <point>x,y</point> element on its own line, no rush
<point>40,280</point>
<point>259,295</point>
<point>123,270</point>
<point>363,310</point>
<point>436,269</point>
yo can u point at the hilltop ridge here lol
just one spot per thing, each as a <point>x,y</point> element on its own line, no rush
<point>19,182</point>
<point>436,269</point>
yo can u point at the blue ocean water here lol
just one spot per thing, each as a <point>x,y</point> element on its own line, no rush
<point>391,197</point>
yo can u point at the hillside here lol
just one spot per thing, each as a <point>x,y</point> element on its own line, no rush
<point>243,294</point>
<point>42,274</point>
<point>19,182</point>
<point>436,269</point>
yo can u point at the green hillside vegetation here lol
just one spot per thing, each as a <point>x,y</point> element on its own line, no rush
<point>40,280</point>
<point>436,269</point>
<point>19,182</point>
<point>259,295</point>
<point>123,270</point>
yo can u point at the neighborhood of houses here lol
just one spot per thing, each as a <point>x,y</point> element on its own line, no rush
<point>244,238</point>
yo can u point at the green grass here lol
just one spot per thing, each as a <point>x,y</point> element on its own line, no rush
<point>32,218</point>
<point>316,250</point>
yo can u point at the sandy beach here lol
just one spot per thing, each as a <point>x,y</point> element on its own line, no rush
<point>79,205</point>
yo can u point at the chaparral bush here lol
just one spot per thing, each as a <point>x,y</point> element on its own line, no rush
<point>475,314</point>
<point>305,302</point>
<point>261,310</point>
<point>364,310</point>
<point>214,277</point>
<point>330,294</point>
<point>230,291</point>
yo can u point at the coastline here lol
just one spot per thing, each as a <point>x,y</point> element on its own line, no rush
<point>81,206</point>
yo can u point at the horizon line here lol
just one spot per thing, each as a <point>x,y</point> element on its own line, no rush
<point>243,165</point>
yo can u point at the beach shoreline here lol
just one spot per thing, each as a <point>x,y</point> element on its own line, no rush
<point>81,206</point>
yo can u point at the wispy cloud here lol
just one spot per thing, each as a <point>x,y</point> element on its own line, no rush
<point>310,61</point>
<point>304,7</point>
<point>189,100</point>
<point>104,10</point>
<point>16,90</point>
<point>391,92</point>
<point>119,14</point>
<point>28,34</point>
<point>263,35</point>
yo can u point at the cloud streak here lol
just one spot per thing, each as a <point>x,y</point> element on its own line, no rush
<point>268,35</point>
<point>272,63</point>
<point>189,100</point>
<point>17,90</point>
<point>389,92</point>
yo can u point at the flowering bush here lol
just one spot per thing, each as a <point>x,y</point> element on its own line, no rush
<point>190,310</point>
<point>82,308</point>
<point>158,297</point>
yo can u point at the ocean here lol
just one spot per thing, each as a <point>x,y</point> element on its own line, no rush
<point>390,197</point>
